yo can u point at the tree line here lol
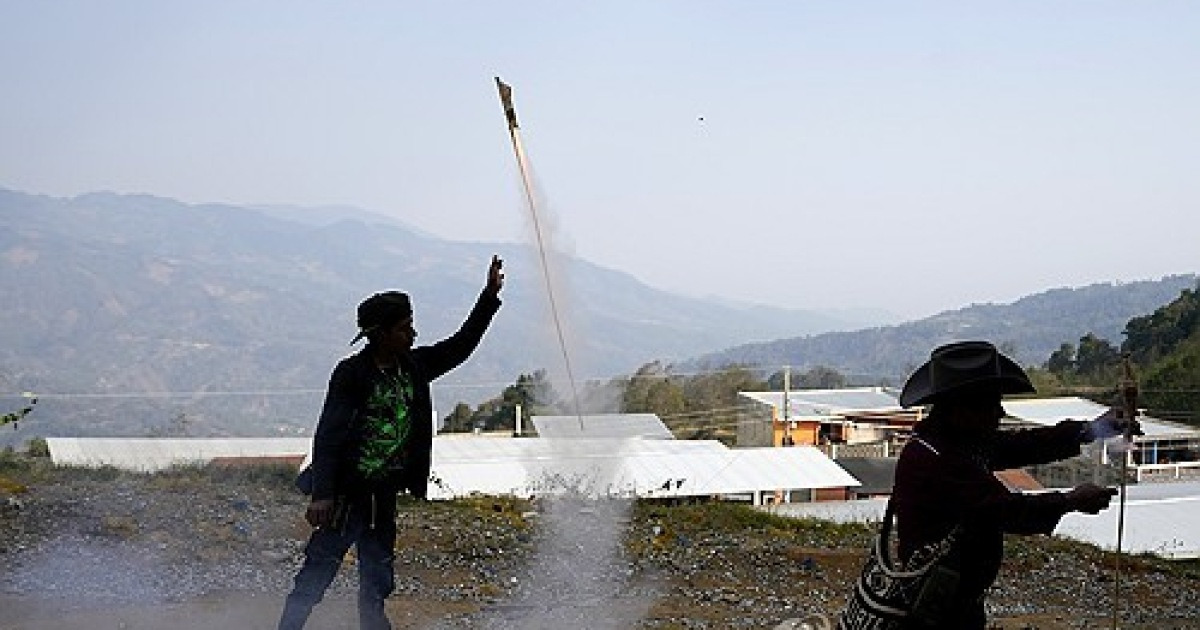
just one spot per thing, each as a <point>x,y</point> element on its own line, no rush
<point>698,405</point>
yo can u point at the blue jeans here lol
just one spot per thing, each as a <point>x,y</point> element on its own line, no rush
<point>370,525</point>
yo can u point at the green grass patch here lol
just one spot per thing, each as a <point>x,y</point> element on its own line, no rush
<point>722,516</point>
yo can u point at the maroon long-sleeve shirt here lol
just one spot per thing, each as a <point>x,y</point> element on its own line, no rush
<point>941,483</point>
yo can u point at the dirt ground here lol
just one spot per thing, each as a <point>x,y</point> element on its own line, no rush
<point>225,610</point>
<point>250,611</point>
<point>202,550</point>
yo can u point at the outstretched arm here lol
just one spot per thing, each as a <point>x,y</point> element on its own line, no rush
<point>1041,445</point>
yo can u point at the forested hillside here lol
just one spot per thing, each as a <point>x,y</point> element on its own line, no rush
<point>1029,329</point>
<point>1167,343</point>
<point>1163,345</point>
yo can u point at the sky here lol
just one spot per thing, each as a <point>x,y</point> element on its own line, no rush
<point>915,156</point>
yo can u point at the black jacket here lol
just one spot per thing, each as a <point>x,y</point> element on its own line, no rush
<point>336,443</point>
<point>941,484</point>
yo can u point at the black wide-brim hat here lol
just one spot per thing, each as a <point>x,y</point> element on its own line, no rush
<point>967,364</point>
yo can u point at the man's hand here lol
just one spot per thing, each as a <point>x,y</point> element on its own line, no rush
<point>495,280</point>
<point>1107,425</point>
<point>320,512</point>
<point>1089,498</point>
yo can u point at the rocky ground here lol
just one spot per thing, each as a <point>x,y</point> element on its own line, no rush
<point>198,549</point>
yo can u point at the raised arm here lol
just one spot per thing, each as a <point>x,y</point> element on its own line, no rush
<point>449,353</point>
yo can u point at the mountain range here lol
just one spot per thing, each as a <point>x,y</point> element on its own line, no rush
<point>136,315</point>
<point>1029,330</point>
<point>131,310</point>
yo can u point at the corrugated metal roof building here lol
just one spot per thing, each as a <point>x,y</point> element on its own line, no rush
<point>154,454</point>
<point>626,467</point>
<point>1050,411</point>
<point>1168,451</point>
<point>851,415</point>
<point>465,465</point>
<point>616,425</point>
<point>830,402</point>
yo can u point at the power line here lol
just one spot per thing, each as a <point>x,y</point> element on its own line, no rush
<point>310,390</point>
<point>193,394</point>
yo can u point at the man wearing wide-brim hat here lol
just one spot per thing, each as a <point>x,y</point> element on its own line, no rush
<point>944,477</point>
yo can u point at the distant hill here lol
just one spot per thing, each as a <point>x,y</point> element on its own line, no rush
<point>1029,329</point>
<point>134,313</point>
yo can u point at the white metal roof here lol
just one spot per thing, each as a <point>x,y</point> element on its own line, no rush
<point>464,465</point>
<point>153,454</point>
<point>1160,518</point>
<point>625,467</point>
<point>1050,411</point>
<point>822,402</point>
<point>615,425</point>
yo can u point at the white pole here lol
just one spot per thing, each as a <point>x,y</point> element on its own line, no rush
<point>787,388</point>
<point>517,421</point>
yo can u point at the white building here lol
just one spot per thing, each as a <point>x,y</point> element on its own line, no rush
<point>591,459</point>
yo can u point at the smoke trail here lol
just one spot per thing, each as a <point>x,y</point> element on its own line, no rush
<point>578,576</point>
<point>541,239</point>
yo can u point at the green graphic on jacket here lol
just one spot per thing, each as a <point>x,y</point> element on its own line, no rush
<point>386,427</point>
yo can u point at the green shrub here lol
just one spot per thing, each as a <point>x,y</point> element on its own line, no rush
<point>37,447</point>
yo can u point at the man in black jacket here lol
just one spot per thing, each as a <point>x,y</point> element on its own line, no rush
<point>944,476</point>
<point>373,441</point>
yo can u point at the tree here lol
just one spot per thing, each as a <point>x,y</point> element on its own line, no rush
<point>653,390</point>
<point>1045,382</point>
<point>1157,335</point>
<point>459,420</point>
<point>16,416</point>
<point>533,392</point>
<point>1096,358</point>
<point>1062,361</point>
<point>663,398</point>
<point>719,389</point>
<point>819,377</point>
<point>822,377</point>
<point>1172,385</point>
<point>1166,344</point>
<point>38,447</point>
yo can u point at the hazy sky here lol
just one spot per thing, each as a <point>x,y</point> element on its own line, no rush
<point>915,156</point>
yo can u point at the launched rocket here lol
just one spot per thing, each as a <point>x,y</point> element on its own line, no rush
<point>506,100</point>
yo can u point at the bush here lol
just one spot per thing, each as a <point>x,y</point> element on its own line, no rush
<point>37,447</point>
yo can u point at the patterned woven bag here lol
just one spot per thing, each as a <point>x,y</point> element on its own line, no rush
<point>891,596</point>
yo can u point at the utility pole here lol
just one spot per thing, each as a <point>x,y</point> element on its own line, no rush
<point>787,390</point>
